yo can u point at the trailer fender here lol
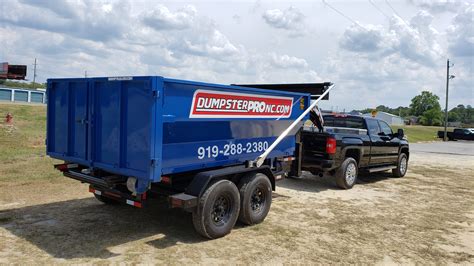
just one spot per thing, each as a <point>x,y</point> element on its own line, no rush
<point>203,179</point>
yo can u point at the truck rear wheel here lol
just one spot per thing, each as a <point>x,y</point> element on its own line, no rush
<point>402,166</point>
<point>217,210</point>
<point>346,174</point>
<point>255,198</point>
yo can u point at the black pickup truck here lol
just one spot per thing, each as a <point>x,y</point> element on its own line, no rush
<point>351,143</point>
<point>458,134</point>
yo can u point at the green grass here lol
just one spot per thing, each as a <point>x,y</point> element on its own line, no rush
<point>421,133</point>
<point>22,144</point>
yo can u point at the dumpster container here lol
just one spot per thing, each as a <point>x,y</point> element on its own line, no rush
<point>127,136</point>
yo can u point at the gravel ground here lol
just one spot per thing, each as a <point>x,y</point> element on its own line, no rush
<point>426,217</point>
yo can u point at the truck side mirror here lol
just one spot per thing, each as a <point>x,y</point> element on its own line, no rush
<point>400,133</point>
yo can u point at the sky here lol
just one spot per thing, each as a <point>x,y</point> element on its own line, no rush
<point>377,52</point>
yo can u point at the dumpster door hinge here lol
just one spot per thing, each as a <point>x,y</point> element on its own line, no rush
<point>153,163</point>
<point>156,94</point>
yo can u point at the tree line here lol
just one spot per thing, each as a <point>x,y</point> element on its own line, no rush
<point>427,109</point>
<point>24,85</point>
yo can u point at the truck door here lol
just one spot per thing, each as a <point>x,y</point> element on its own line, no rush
<point>390,145</point>
<point>377,144</point>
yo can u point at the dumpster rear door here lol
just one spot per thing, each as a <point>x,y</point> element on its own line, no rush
<point>68,119</point>
<point>122,125</point>
<point>103,122</point>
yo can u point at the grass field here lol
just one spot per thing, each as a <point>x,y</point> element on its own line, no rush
<point>22,145</point>
<point>421,133</point>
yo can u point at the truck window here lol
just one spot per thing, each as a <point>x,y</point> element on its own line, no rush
<point>385,128</point>
<point>344,121</point>
<point>373,127</point>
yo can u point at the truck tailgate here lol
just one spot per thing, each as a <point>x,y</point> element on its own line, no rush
<point>314,143</point>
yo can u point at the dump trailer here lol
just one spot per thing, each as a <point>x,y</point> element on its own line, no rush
<point>213,150</point>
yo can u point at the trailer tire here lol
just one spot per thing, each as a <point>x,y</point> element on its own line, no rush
<point>255,198</point>
<point>218,209</point>
<point>346,174</point>
<point>402,166</point>
<point>106,200</point>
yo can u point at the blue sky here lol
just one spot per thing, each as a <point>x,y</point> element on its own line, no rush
<point>376,52</point>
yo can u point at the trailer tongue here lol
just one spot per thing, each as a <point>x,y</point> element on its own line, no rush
<point>136,138</point>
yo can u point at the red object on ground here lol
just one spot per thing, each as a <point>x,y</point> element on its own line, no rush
<point>9,118</point>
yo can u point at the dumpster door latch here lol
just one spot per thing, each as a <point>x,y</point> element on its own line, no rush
<point>156,94</point>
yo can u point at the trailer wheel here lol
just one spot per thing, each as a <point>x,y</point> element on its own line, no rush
<point>346,174</point>
<point>217,210</point>
<point>105,200</point>
<point>402,166</point>
<point>255,198</point>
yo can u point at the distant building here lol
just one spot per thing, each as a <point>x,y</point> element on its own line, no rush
<point>353,112</point>
<point>389,118</point>
<point>454,124</point>
<point>22,95</point>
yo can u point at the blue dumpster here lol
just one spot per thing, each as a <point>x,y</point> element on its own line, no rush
<point>130,137</point>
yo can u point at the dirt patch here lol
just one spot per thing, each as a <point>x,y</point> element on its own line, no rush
<point>425,218</point>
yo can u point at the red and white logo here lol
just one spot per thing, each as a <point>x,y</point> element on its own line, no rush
<point>218,104</point>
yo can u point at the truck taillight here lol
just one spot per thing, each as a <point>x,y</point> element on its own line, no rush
<point>331,145</point>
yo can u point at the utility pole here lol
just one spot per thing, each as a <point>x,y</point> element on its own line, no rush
<point>448,77</point>
<point>34,74</point>
<point>85,74</point>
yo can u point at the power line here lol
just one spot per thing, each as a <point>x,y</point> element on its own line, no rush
<point>344,15</point>
<point>380,10</point>
<point>396,13</point>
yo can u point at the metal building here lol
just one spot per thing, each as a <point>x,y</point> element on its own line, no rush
<point>22,95</point>
<point>389,118</point>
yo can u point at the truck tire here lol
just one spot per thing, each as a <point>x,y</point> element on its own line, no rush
<point>105,200</point>
<point>255,198</point>
<point>346,174</point>
<point>217,210</point>
<point>402,166</point>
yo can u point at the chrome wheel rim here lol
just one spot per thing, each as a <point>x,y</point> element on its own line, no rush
<point>351,173</point>
<point>403,165</point>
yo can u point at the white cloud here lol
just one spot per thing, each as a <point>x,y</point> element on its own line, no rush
<point>369,38</point>
<point>417,41</point>
<point>461,33</point>
<point>158,41</point>
<point>86,19</point>
<point>286,61</point>
<point>438,6</point>
<point>290,19</point>
<point>62,8</point>
<point>161,18</point>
